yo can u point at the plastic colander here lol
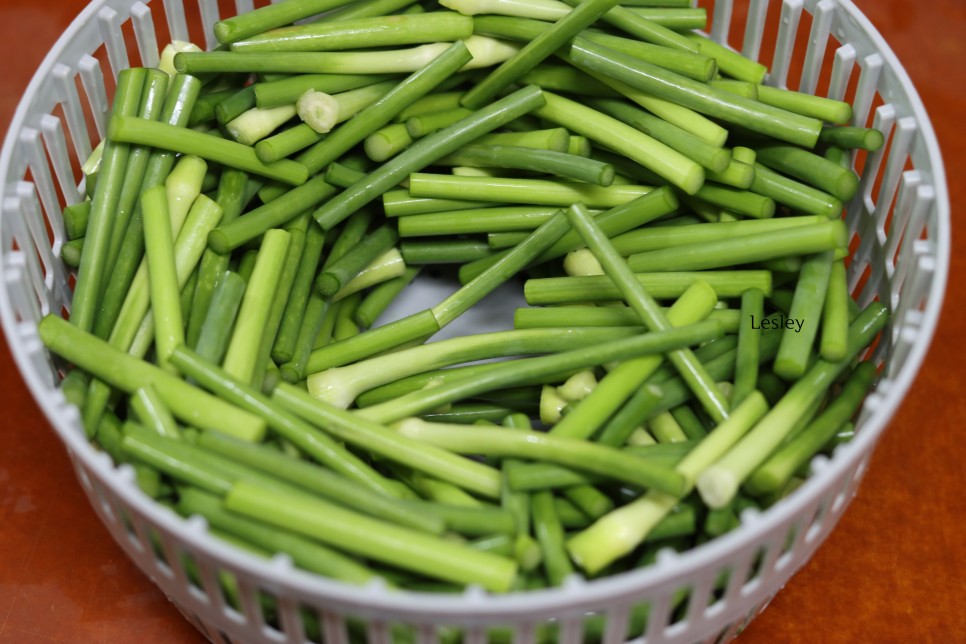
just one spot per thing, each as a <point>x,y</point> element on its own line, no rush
<point>900,225</point>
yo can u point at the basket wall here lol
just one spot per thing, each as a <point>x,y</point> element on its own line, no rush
<point>899,223</point>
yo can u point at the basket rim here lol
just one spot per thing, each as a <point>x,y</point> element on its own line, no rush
<point>577,593</point>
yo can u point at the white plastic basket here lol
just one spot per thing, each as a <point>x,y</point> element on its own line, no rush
<point>900,217</point>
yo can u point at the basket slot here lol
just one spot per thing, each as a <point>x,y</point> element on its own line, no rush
<point>36,275</point>
<point>885,121</point>
<point>881,351</point>
<point>59,159</point>
<point>904,331</point>
<point>50,283</point>
<point>93,81</point>
<point>923,273</point>
<point>472,635</point>
<point>791,15</point>
<point>866,214</point>
<point>841,499</point>
<point>209,16</point>
<point>177,25</point>
<point>747,564</point>
<point>875,397</point>
<point>43,183</point>
<point>20,301</point>
<point>907,222</point>
<point>249,596</point>
<point>66,84</point>
<point>866,271</point>
<point>137,531</point>
<point>818,526</point>
<point>854,220</point>
<point>699,598</point>
<point>243,6</point>
<point>914,252</point>
<point>39,359</point>
<point>638,615</point>
<point>837,495</point>
<point>175,559</point>
<point>792,548</point>
<point>770,550</point>
<point>869,281</point>
<point>334,629</point>
<point>846,485</point>
<point>109,23</point>
<point>378,632</point>
<point>902,140</point>
<point>290,619</point>
<point>214,593</point>
<point>134,529</point>
<point>862,467</point>
<point>754,28</point>
<point>145,34</point>
<point>526,633</point>
<point>571,631</point>
<point>817,43</point>
<point>659,606</point>
<point>842,65</point>
<point>871,67</point>
<point>616,623</point>
<point>29,280</point>
<point>101,501</point>
<point>426,634</point>
<point>728,593</point>
<point>721,21</point>
<point>658,617</point>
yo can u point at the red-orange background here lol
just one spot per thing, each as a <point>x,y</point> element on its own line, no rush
<point>893,571</point>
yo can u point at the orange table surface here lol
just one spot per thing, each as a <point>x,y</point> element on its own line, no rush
<point>893,571</point>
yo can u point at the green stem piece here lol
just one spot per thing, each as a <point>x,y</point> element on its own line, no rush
<point>483,378</point>
<point>270,17</point>
<point>743,249</point>
<point>377,31</point>
<point>373,539</point>
<point>599,288</point>
<point>243,349</point>
<point>719,483</point>
<point>804,317</point>
<point>749,341</point>
<point>427,150</point>
<point>93,269</point>
<point>341,272</point>
<point>535,51</point>
<point>131,129</point>
<point>381,112</point>
<point>153,413</point>
<point>835,315</point>
<point>719,104</point>
<point>127,373</point>
<point>704,388</point>
<point>620,532</point>
<point>386,443</point>
<point>781,466</point>
<point>216,328</point>
<point>162,275</point>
